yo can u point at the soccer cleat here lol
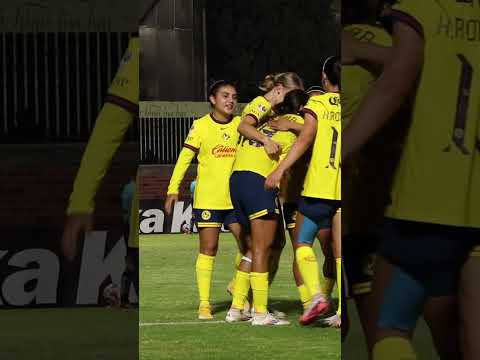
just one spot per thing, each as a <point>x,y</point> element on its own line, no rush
<point>236,315</point>
<point>205,312</point>
<point>246,306</point>
<point>278,314</point>
<point>268,319</point>
<point>318,307</point>
<point>334,321</point>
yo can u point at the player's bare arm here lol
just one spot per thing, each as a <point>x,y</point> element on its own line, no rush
<point>283,124</point>
<point>304,141</point>
<point>247,129</point>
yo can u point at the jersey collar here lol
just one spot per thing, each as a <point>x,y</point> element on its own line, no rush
<point>219,122</point>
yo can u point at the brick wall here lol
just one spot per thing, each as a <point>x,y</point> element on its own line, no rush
<point>154,180</point>
<point>36,182</point>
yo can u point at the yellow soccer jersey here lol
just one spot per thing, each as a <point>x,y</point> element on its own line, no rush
<point>323,178</point>
<point>117,114</point>
<point>215,145</point>
<point>258,108</point>
<point>357,79</point>
<point>259,161</point>
<point>439,173</point>
<point>292,183</point>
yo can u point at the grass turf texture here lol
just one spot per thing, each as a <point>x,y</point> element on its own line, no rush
<point>169,301</point>
<point>69,334</point>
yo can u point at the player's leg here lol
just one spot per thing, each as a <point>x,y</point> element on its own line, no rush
<point>291,217</point>
<point>240,237</point>
<point>441,316</point>
<point>209,223</point>
<point>241,230</point>
<point>276,251</point>
<point>469,305</point>
<point>317,215</point>
<point>263,234</point>
<point>324,236</point>
<point>336,320</point>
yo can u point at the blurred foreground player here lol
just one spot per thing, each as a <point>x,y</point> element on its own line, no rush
<point>115,117</point>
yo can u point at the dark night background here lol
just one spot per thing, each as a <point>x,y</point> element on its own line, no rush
<point>248,39</point>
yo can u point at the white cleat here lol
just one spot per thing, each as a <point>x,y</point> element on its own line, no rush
<point>334,321</point>
<point>236,315</point>
<point>267,319</point>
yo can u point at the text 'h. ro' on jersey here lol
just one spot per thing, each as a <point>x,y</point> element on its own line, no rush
<point>251,155</point>
<point>215,145</point>
<point>323,179</point>
<point>438,179</point>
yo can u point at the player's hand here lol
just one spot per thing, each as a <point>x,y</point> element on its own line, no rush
<point>280,124</point>
<point>348,48</point>
<point>171,200</point>
<point>74,226</point>
<point>273,180</point>
<point>270,146</point>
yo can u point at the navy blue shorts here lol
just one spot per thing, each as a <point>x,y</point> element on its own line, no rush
<point>359,255</point>
<point>320,211</point>
<point>205,218</point>
<point>432,254</point>
<point>290,211</point>
<point>249,197</point>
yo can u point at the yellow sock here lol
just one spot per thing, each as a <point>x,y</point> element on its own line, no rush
<point>259,283</point>
<point>238,260</point>
<point>338,262</point>
<point>393,348</point>
<point>242,286</point>
<point>305,296</point>
<point>327,286</point>
<point>308,266</point>
<point>204,269</point>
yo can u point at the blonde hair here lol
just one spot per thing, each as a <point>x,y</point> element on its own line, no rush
<point>287,79</point>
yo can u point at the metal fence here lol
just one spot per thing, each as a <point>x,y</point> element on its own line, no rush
<point>53,84</point>
<point>164,127</point>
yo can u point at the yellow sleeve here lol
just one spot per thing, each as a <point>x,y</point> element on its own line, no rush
<point>258,108</point>
<point>194,138</point>
<point>117,114</point>
<point>107,136</point>
<point>181,167</point>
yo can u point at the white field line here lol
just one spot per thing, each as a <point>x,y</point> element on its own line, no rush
<point>179,323</point>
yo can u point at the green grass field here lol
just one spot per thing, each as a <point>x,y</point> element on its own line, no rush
<point>69,334</point>
<point>169,328</point>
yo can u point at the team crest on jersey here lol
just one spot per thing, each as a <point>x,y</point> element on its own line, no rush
<point>334,100</point>
<point>225,136</point>
<point>206,215</point>
<point>262,108</point>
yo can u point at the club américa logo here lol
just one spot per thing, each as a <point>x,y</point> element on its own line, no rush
<point>222,151</point>
<point>206,215</point>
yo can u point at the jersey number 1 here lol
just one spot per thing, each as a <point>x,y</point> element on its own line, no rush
<point>461,114</point>
<point>333,149</point>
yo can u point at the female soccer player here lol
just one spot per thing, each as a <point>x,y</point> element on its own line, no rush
<point>322,187</point>
<point>256,208</point>
<point>437,171</point>
<point>213,139</point>
<point>290,192</point>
